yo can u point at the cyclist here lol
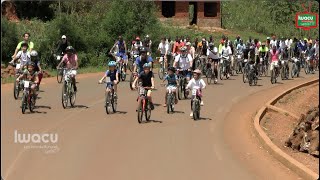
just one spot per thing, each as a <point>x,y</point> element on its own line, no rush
<point>25,40</point>
<point>311,53</point>
<point>62,45</point>
<point>237,41</point>
<point>184,62</point>
<point>221,45</point>
<point>211,39</point>
<point>177,46</point>
<point>212,53</point>
<point>172,79</point>
<point>147,79</point>
<point>23,55</point>
<point>114,77</point>
<point>274,53</point>
<point>170,48</point>
<point>191,50</point>
<point>136,46</point>
<point>71,61</point>
<point>163,49</point>
<point>141,60</point>
<point>31,75</point>
<point>273,41</point>
<point>147,43</point>
<point>37,67</point>
<point>263,51</point>
<point>121,47</point>
<point>240,47</point>
<point>226,52</point>
<point>203,46</point>
<point>196,81</point>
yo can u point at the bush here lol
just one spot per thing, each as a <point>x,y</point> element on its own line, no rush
<point>9,39</point>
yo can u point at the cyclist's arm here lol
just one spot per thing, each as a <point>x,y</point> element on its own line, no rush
<point>104,76</point>
<point>62,60</point>
<point>125,46</point>
<point>17,50</point>
<point>31,46</point>
<point>113,47</point>
<point>36,80</point>
<point>117,77</point>
<point>203,84</point>
<point>189,86</point>
<point>40,69</point>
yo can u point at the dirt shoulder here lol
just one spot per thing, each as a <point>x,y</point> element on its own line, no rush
<point>279,127</point>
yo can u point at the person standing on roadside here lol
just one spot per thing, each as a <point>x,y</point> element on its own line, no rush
<point>25,40</point>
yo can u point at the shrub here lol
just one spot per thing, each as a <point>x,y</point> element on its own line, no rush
<point>9,39</point>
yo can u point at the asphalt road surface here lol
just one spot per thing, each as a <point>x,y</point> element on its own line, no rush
<point>93,145</point>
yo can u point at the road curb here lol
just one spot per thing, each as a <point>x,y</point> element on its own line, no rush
<point>275,151</point>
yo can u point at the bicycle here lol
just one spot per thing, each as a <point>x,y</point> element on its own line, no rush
<point>28,98</point>
<point>295,70</point>
<point>110,98</point>
<point>245,71</point>
<point>121,68</point>
<point>275,73</point>
<point>17,86</point>
<point>284,69</point>
<point>170,99</point>
<point>144,104</point>
<point>253,79</point>
<point>309,65</point>
<point>239,63</point>
<point>162,70</point>
<point>68,93</point>
<point>224,70</point>
<point>182,84</point>
<point>60,70</point>
<point>196,93</point>
<point>210,74</point>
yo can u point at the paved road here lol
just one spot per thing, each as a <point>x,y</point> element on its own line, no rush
<point>94,145</point>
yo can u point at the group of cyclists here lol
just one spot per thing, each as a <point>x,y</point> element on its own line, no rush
<point>180,59</point>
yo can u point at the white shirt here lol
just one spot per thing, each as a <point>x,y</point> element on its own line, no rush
<point>273,42</point>
<point>163,47</point>
<point>24,57</point>
<point>226,51</point>
<point>196,83</point>
<point>183,63</point>
<point>211,55</point>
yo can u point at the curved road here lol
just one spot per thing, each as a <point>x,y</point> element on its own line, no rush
<point>94,145</point>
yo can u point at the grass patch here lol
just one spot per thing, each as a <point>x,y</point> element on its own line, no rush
<point>7,80</point>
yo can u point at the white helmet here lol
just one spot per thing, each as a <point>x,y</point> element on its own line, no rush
<point>34,53</point>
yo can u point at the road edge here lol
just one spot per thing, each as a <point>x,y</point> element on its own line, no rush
<point>275,151</point>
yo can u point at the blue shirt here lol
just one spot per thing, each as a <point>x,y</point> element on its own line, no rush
<point>121,48</point>
<point>172,79</point>
<point>140,63</point>
<point>111,74</point>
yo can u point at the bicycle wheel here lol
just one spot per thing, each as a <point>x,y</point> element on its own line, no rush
<point>130,65</point>
<point>180,89</point>
<point>114,103</point>
<point>161,71</point>
<point>108,103</point>
<point>273,77</point>
<point>147,110</point>
<point>24,103</point>
<point>16,89</point>
<point>64,98</point>
<point>221,73</point>
<point>140,112</point>
<point>293,70</point>
<point>195,110</point>
<point>59,75</point>
<point>244,76</point>
<point>72,95</point>
<point>131,81</point>
<point>32,103</point>
<point>209,76</point>
<point>306,68</point>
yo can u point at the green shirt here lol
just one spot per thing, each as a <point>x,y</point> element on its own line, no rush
<point>265,49</point>
<point>30,45</point>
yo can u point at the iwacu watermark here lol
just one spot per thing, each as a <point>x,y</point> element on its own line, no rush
<point>47,142</point>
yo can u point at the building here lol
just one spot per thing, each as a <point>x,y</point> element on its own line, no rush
<point>184,13</point>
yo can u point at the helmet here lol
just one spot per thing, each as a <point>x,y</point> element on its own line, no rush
<point>147,36</point>
<point>188,44</point>
<point>69,48</point>
<point>143,49</point>
<point>183,49</point>
<point>171,69</point>
<point>31,64</point>
<point>146,65</point>
<point>112,63</point>
<point>33,53</point>
<point>197,71</point>
<point>268,38</point>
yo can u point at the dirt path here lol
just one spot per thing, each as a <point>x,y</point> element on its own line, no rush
<point>94,145</point>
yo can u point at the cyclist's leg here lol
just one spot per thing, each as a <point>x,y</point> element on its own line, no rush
<point>115,86</point>
<point>174,91</point>
<point>165,97</point>
<point>150,99</point>
<point>73,77</point>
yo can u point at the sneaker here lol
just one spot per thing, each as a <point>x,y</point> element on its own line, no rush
<point>228,75</point>
<point>201,103</point>
<point>165,105</point>
<point>215,80</point>
<point>151,106</point>
<point>191,114</point>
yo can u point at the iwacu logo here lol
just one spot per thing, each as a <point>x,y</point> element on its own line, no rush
<point>35,138</point>
<point>309,18</point>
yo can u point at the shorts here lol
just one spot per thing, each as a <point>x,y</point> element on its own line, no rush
<point>173,88</point>
<point>186,73</point>
<point>215,60</point>
<point>123,55</point>
<point>274,64</point>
